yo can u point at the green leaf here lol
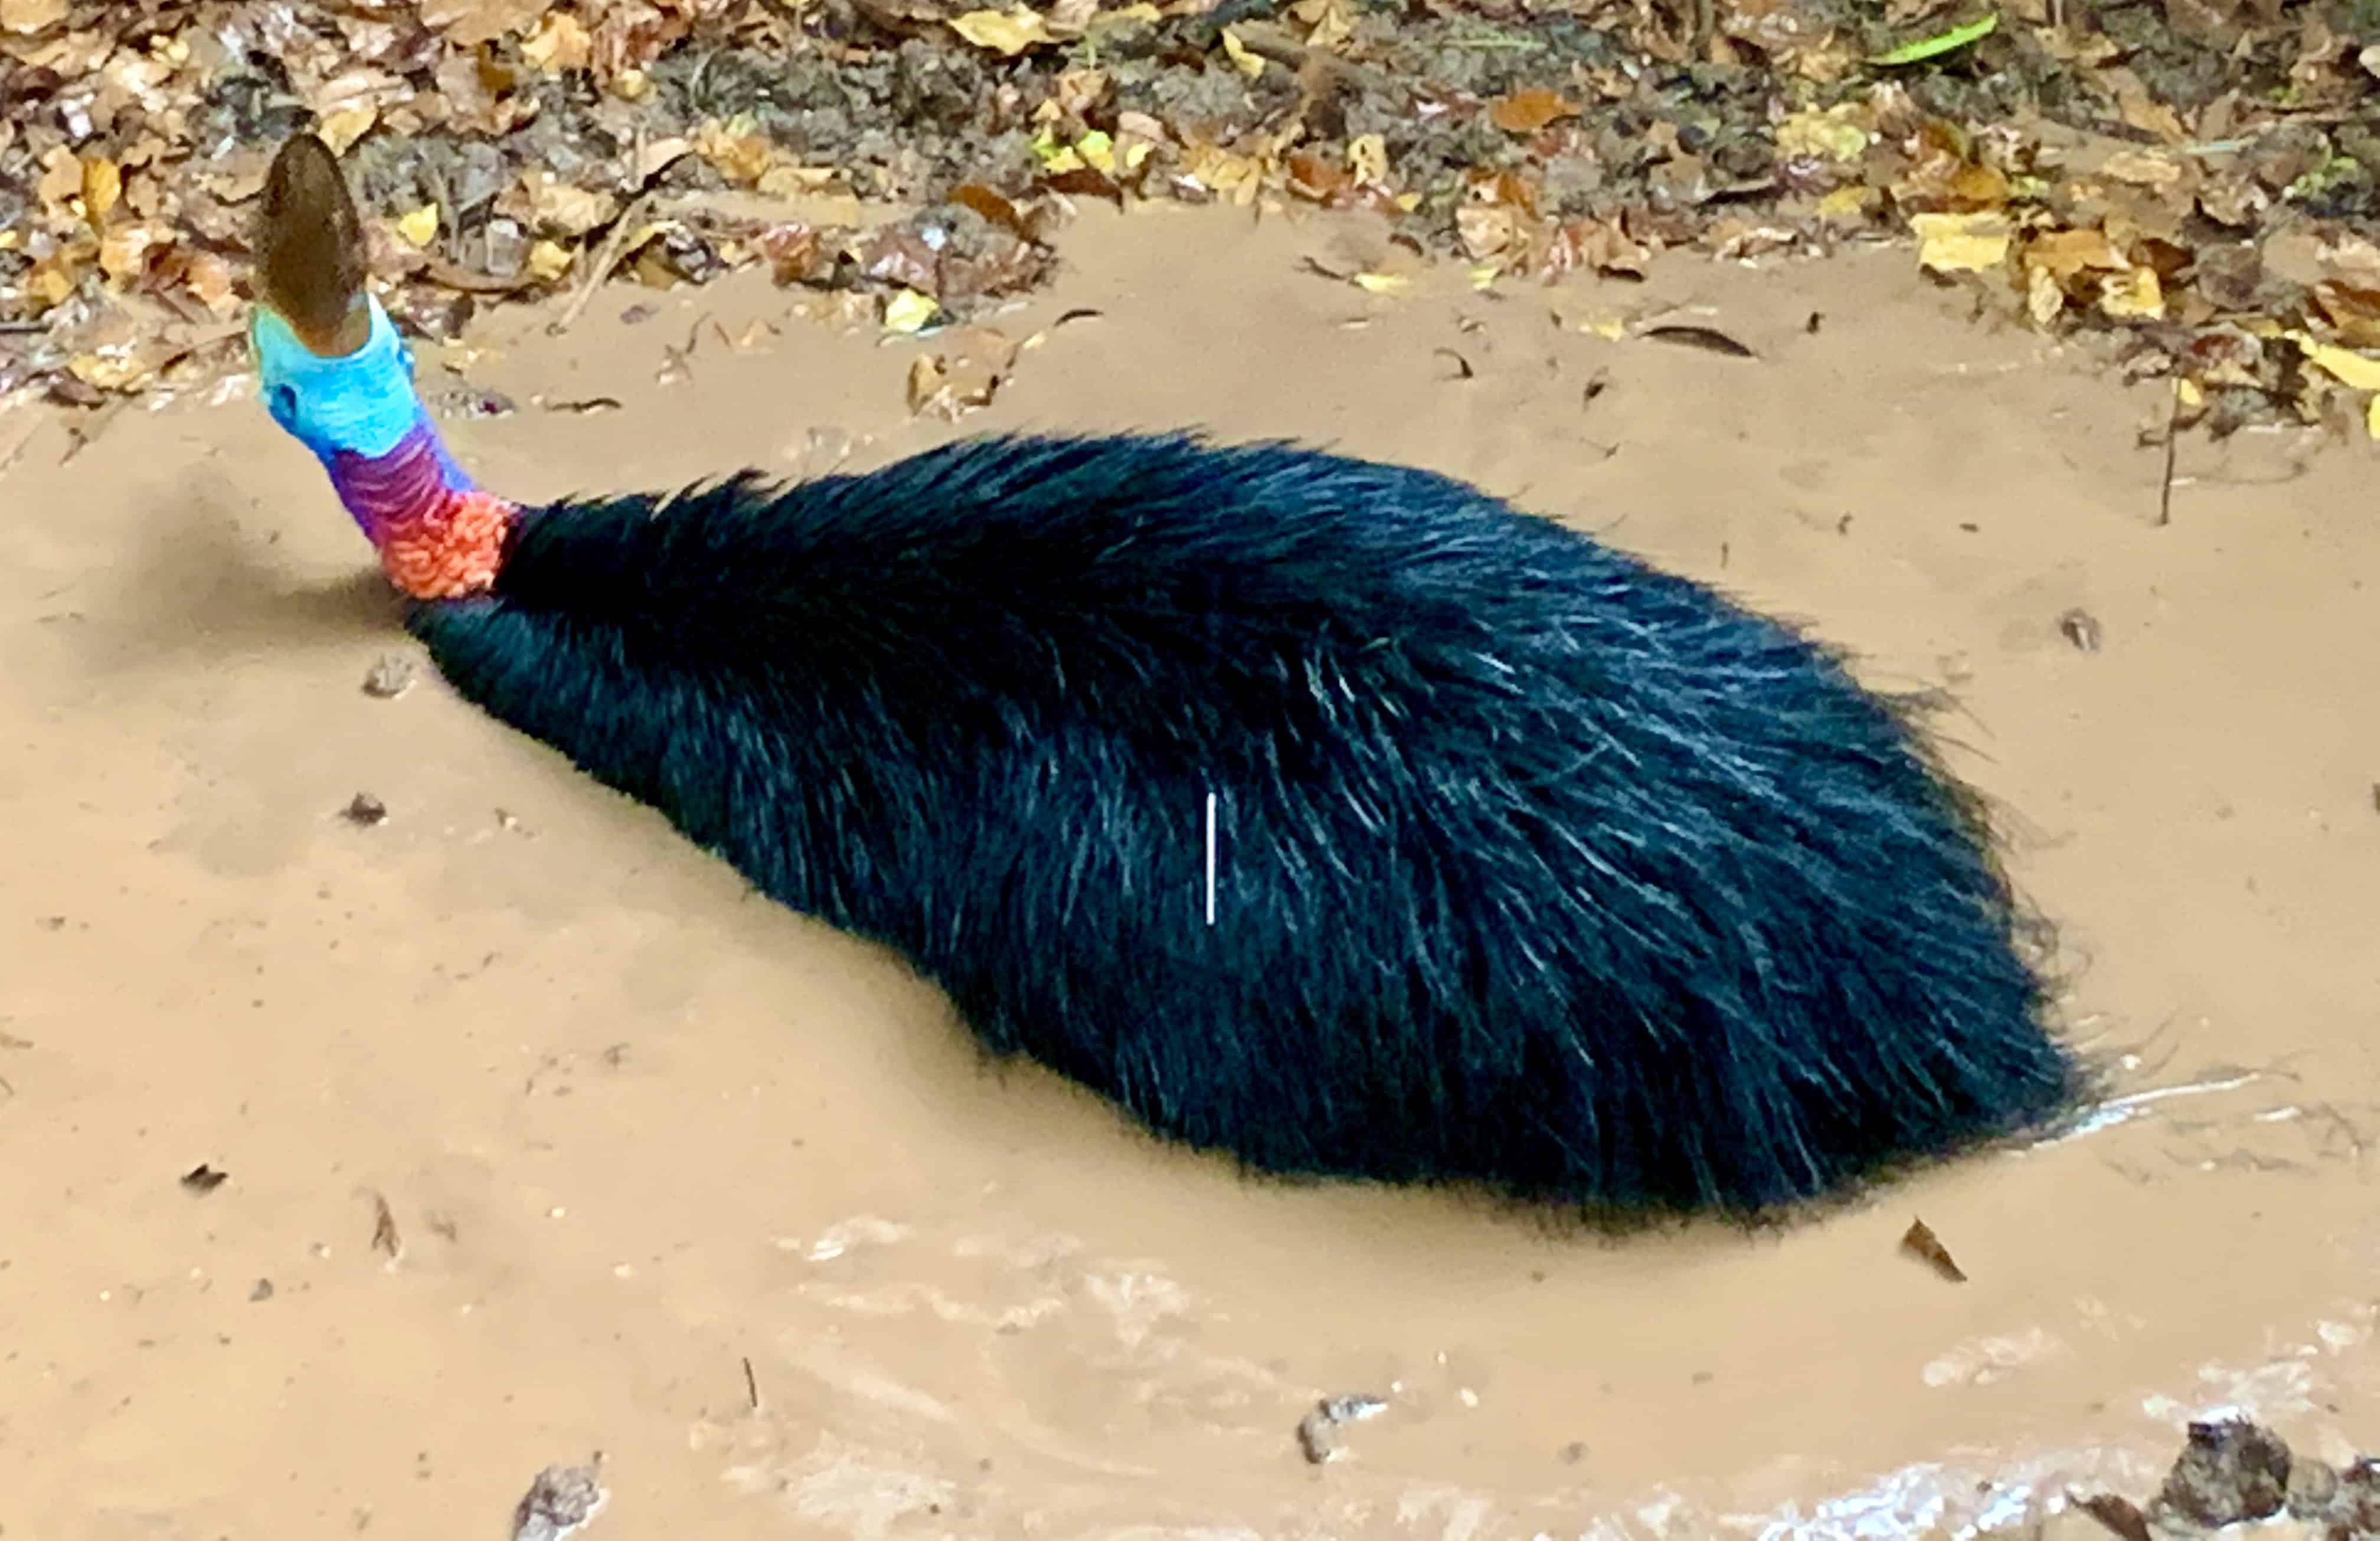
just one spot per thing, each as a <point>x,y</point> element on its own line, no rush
<point>1940,43</point>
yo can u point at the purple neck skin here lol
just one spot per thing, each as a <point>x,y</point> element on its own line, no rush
<point>413,481</point>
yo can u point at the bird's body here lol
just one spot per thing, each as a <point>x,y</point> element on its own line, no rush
<point>1332,815</point>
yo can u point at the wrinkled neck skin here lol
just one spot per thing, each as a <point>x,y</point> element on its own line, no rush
<point>439,536</point>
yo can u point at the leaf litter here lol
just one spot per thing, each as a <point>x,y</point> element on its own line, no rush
<point>2192,187</point>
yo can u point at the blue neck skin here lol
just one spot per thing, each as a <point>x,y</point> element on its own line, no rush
<point>360,404</point>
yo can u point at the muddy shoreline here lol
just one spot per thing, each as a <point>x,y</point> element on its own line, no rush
<point>670,1176</point>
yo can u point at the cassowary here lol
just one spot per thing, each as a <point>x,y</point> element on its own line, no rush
<point>1332,815</point>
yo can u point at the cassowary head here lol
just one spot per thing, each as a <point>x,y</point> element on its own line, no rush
<point>335,375</point>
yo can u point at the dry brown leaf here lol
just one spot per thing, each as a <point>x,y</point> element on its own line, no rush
<point>208,276</point>
<point>60,184</point>
<point>893,255</point>
<point>963,373</point>
<point>52,278</point>
<point>1920,1242</point>
<point>25,18</point>
<point>2234,201</point>
<point>124,251</point>
<point>2144,168</point>
<point>2146,113</point>
<point>1008,32</point>
<point>560,45</point>
<point>2226,357</point>
<point>2064,253</point>
<point>472,22</point>
<point>993,204</point>
<point>1315,175</point>
<point>1526,112</point>
<point>2353,311</point>
<point>1487,229</point>
<point>555,208</point>
<point>1327,23</point>
<point>1974,187</point>
<point>796,253</point>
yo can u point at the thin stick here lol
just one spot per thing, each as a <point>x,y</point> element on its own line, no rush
<point>605,260</point>
<point>751,1384</point>
<point>609,256</point>
<point>1211,858</point>
<point>2165,491</point>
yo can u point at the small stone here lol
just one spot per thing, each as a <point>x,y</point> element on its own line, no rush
<point>365,810</point>
<point>2081,628</point>
<point>559,1501</point>
<point>2232,1471</point>
<point>390,675</point>
<point>1315,1431</point>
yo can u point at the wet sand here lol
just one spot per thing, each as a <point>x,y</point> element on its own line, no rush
<point>634,1128</point>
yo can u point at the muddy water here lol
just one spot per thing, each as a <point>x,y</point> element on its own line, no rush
<point>635,1131</point>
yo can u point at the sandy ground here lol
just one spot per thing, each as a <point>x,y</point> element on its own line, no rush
<point>635,1131</point>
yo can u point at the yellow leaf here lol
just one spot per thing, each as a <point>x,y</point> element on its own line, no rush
<point>341,127</point>
<point>1010,31</point>
<point>1099,149</point>
<point>1835,134</point>
<point>907,312</point>
<point>2372,418</point>
<point>549,260</point>
<point>2132,293</point>
<point>1846,203</point>
<point>1962,243</point>
<point>50,284</point>
<point>2359,370</point>
<point>1383,283</point>
<point>631,85</point>
<point>1250,65</point>
<point>420,226</point>
<point>113,369</point>
<point>739,157</point>
<point>2189,395</point>
<point>1484,276</point>
<point>1368,157</point>
<point>102,184</point>
<point>1408,202</point>
<point>1328,22</point>
<point>2044,296</point>
<point>1609,328</point>
<point>122,250</point>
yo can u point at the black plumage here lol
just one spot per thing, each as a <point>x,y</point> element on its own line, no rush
<point>1535,868</point>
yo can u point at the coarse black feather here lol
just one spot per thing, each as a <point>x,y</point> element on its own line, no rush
<point>1536,868</point>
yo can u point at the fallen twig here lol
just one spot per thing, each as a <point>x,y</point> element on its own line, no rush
<point>600,269</point>
<point>2165,488</point>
